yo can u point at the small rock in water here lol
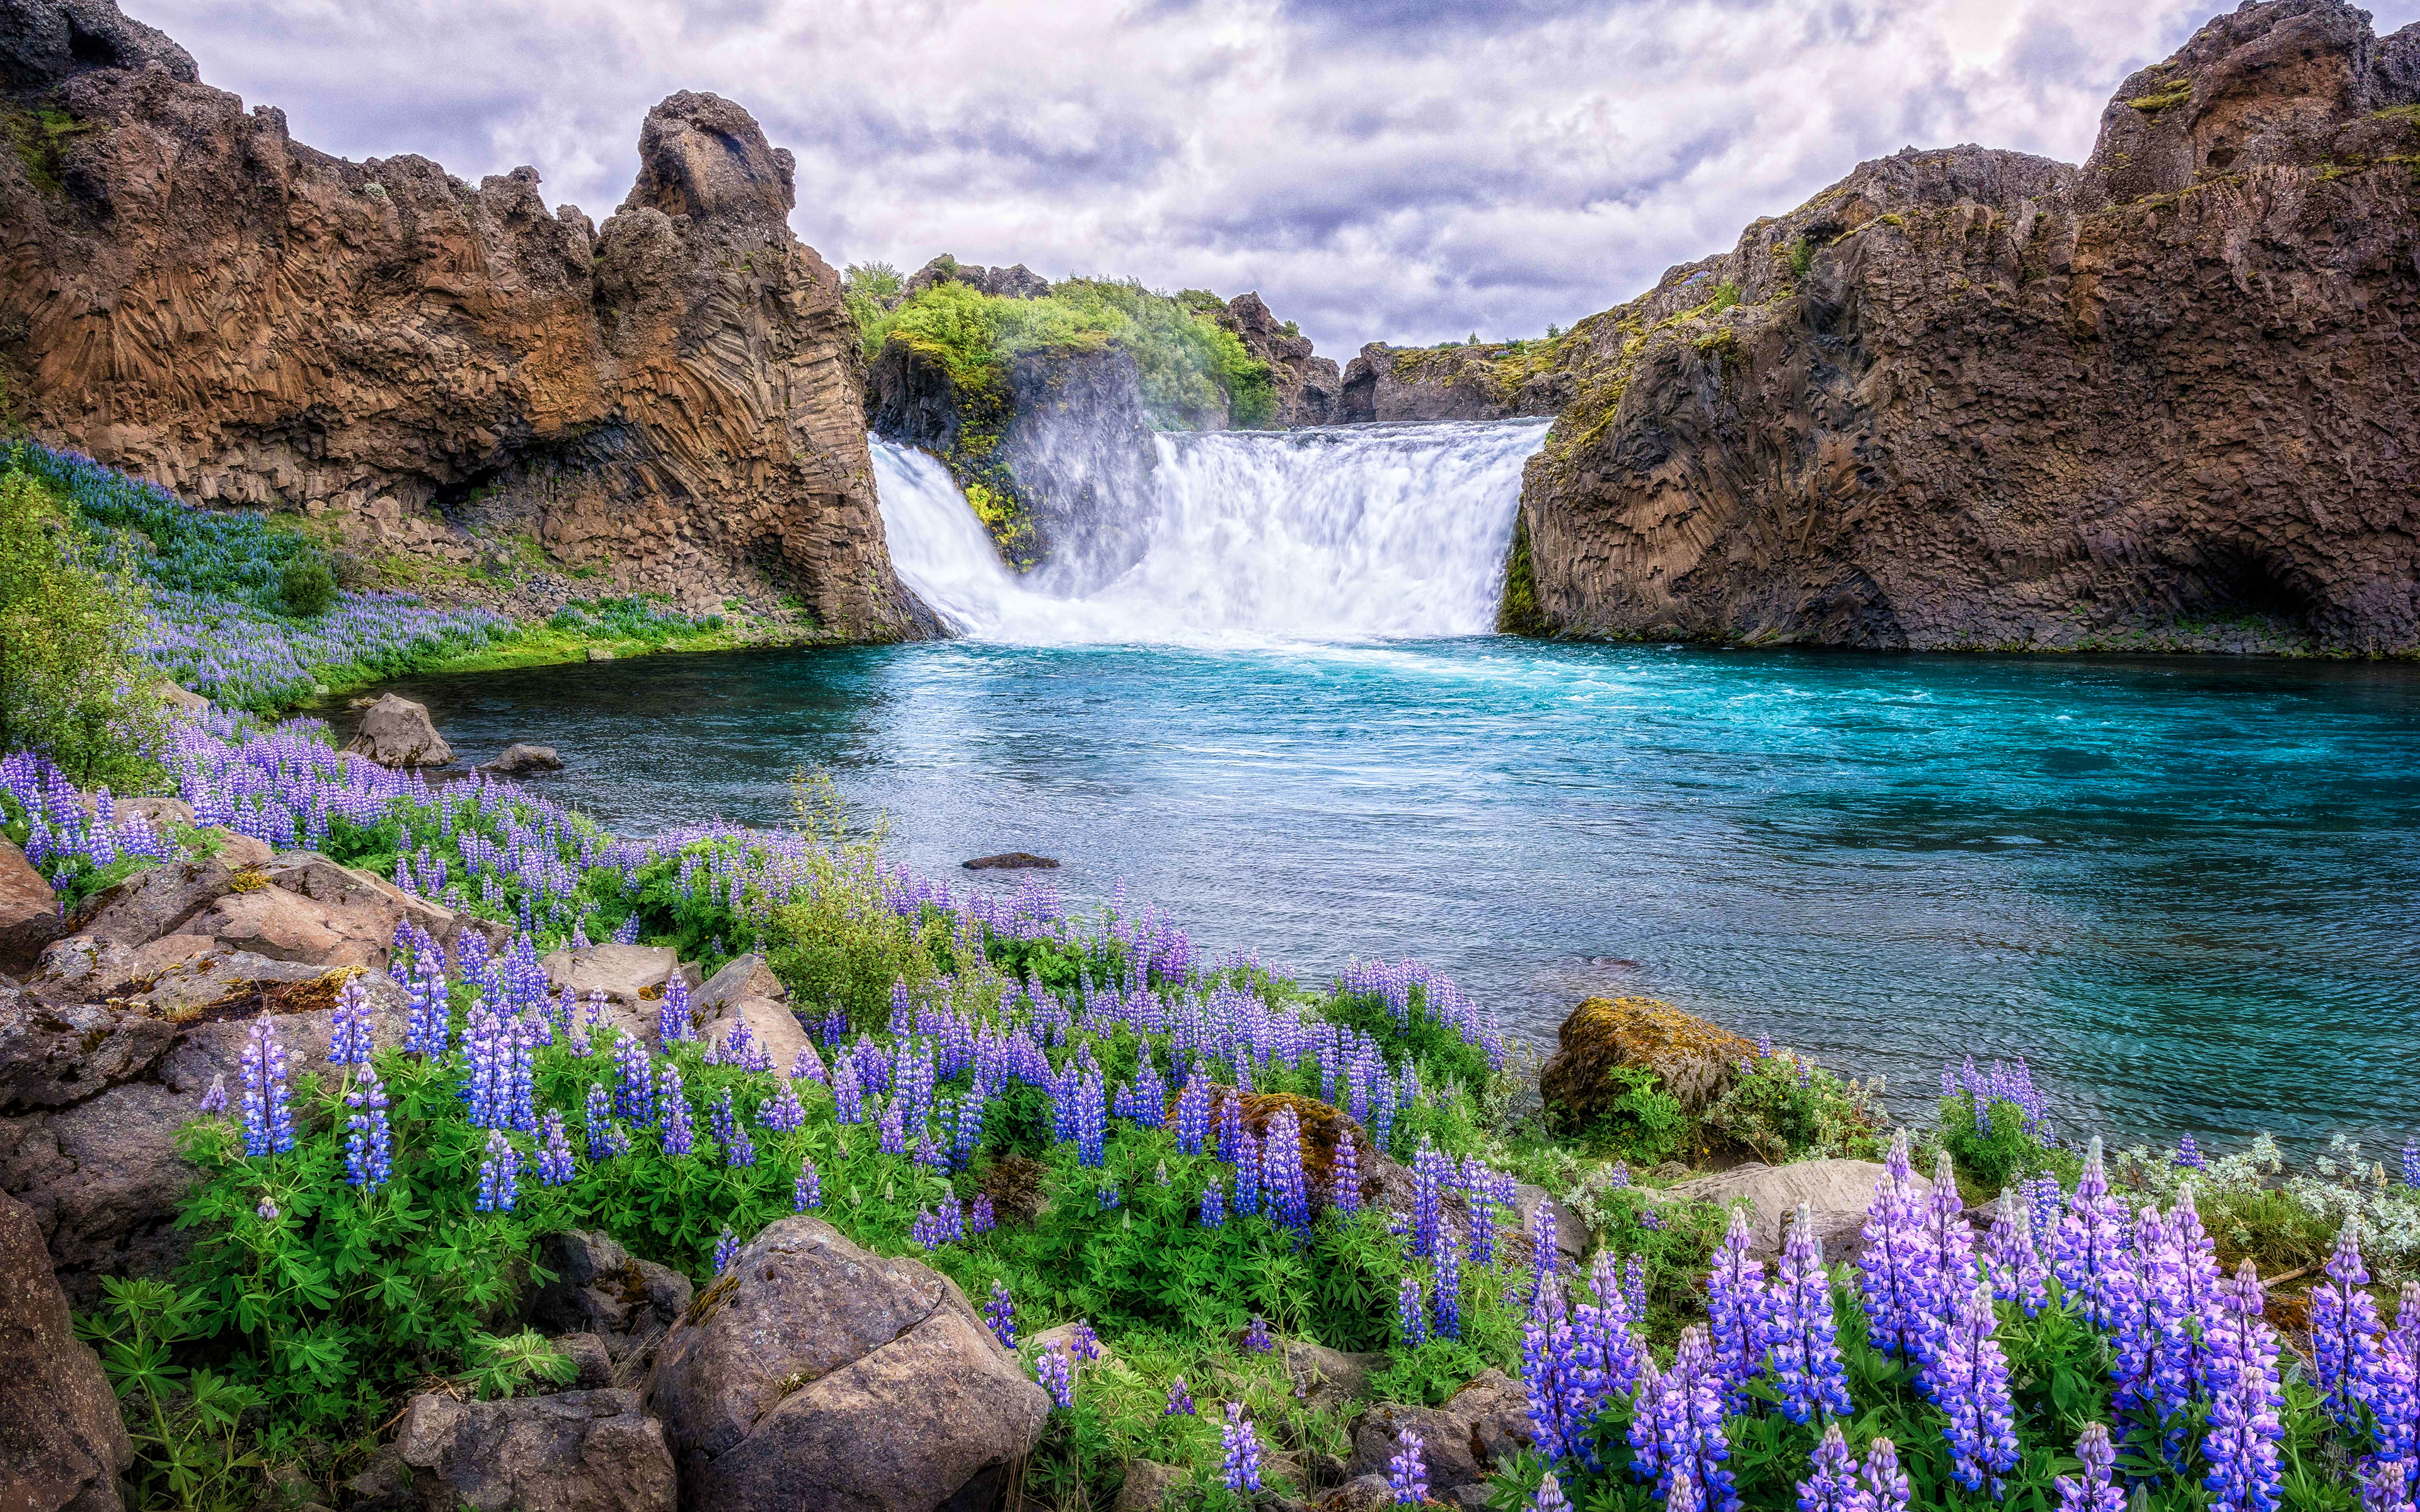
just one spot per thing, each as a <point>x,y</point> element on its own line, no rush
<point>519,757</point>
<point>1010,862</point>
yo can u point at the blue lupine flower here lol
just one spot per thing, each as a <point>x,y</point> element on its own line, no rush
<point>634,1081</point>
<point>1549,1497</point>
<point>672,1111</point>
<point>1242,1445</point>
<point>1411,1313</point>
<point>2093,1491</point>
<point>1969,1377</point>
<point>1050,1369</point>
<point>600,1118</point>
<point>672,1019</point>
<point>726,1249</point>
<point>498,1174</point>
<point>2088,1250</point>
<point>1000,1313</point>
<point>1180,1401</point>
<point>348,1030</point>
<point>848,1099</point>
<point>1214,1206</point>
<point>2241,1445</point>
<point>1886,1484</point>
<point>1894,1278</point>
<point>1446,1292</point>
<point>1281,1172</point>
<point>980,1219</point>
<point>554,1163</point>
<point>1430,1176</point>
<point>268,1118</point>
<point>2412,1165</point>
<point>369,1152</point>
<point>1408,1472</point>
<point>1248,1173</point>
<point>1256,1335</point>
<point>214,1102</point>
<point>2012,1259</point>
<point>2346,1357</point>
<point>808,1191</point>
<point>1735,1312</point>
<point>1092,1120</point>
<point>2189,1154</point>
<point>1831,1484</point>
<point>1345,1176</point>
<point>894,1128</point>
<point>266,1211</point>
<point>1807,1369</point>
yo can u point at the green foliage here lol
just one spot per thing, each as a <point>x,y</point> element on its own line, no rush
<point>1783,1109</point>
<point>185,1422</point>
<point>40,138</point>
<point>1726,295</point>
<point>1642,1122</point>
<point>307,585</point>
<point>73,687</point>
<point>1990,1146</point>
<point>643,618</point>
<point>1802,256</point>
<point>1518,612</point>
<point>869,291</point>
<point>1676,1240</point>
<point>501,1367</point>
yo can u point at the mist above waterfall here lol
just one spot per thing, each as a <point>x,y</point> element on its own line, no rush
<point>1330,534</point>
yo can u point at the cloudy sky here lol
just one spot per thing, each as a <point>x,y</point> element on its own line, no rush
<point>1399,170</point>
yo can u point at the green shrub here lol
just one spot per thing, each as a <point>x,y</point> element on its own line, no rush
<point>73,685</point>
<point>1643,1123</point>
<point>307,585</point>
<point>1785,1109</point>
<point>1992,1148</point>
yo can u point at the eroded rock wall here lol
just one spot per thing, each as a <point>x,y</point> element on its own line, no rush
<point>1490,382</point>
<point>1970,398</point>
<point>674,400</point>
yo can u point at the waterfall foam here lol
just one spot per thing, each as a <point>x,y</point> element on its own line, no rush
<point>1341,532</point>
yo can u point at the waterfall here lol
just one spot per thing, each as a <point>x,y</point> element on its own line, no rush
<point>1333,534</point>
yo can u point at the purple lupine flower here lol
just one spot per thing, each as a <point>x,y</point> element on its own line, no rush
<point>1092,1120</point>
<point>980,1218</point>
<point>2240,1445</point>
<point>1256,1335</point>
<point>2179,1311</point>
<point>1180,1401</point>
<point>672,1111</point>
<point>1345,1176</point>
<point>1604,1352</point>
<point>2012,1259</point>
<point>1735,1312</point>
<point>2344,1330</point>
<point>1969,1377</point>
<point>1083,1344</point>
<point>369,1149</point>
<point>1281,1174</point>
<point>1831,1483</point>
<point>1000,1313</point>
<point>266,1211</point>
<point>1050,1369</point>
<point>214,1102</point>
<point>1408,1472</point>
<point>1214,1206</point>
<point>1650,1450</point>
<point>1807,1369</point>
<point>784,1114</point>
<point>498,1174</point>
<point>1549,1497</point>
<point>1886,1484</point>
<point>2189,1154</point>
<point>268,1118</point>
<point>554,1162</point>
<point>893,1127</point>
<point>2134,1300</point>
<point>1634,1286</point>
<point>2089,1251</point>
<point>672,1019</point>
<point>601,1117</point>
<point>425,1016</point>
<point>808,1066</point>
<point>350,1039</point>
<point>2412,1165</point>
<point>1248,1173</point>
<point>1411,1312</point>
<point>1192,1114</point>
<point>1430,1175</point>
<point>1894,1278</point>
<point>726,1249</point>
<point>848,1099</point>
<point>1242,1444</point>
<point>634,1081</point>
<point>1694,1428</point>
<point>520,1085</point>
<point>1559,1376</point>
<point>1545,1260</point>
<point>1446,1291</point>
<point>2093,1490</point>
<point>808,1191</point>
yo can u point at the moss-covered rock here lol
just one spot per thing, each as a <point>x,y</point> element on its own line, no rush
<point>1685,1059</point>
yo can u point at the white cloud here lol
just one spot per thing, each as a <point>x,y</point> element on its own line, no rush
<point>1405,170</point>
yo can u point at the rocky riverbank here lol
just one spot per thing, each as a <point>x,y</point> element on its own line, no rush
<point>1976,399</point>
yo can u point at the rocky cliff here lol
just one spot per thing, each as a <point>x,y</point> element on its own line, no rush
<point>1494,381</point>
<point>1305,384</point>
<point>1971,398</point>
<point>673,401</point>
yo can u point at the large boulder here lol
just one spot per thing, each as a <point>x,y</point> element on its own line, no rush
<point>53,1054</point>
<point>1836,1193</point>
<point>1325,1377</point>
<point>1479,1429</point>
<point>1687,1057</point>
<point>817,1374</point>
<point>29,911</point>
<point>573,1451</point>
<point>625,974</point>
<point>156,901</point>
<point>395,732</point>
<point>62,1443</point>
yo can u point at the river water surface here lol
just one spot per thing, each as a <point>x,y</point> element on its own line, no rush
<point>2187,889</point>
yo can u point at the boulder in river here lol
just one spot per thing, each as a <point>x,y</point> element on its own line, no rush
<point>520,758</point>
<point>1011,861</point>
<point>395,732</point>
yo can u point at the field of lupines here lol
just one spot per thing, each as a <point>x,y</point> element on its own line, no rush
<point>360,1219</point>
<point>245,609</point>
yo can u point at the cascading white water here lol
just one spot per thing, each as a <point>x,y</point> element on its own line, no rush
<point>1334,533</point>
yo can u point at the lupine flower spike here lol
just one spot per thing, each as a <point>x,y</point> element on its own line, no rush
<point>1242,1444</point>
<point>1408,1472</point>
<point>2092,1491</point>
<point>1050,1369</point>
<point>1180,1401</point>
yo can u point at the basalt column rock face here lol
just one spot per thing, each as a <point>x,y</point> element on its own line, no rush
<point>1968,398</point>
<point>675,400</point>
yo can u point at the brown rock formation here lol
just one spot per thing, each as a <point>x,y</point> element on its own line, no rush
<point>1490,382</point>
<point>1012,283</point>
<point>1688,1059</point>
<point>675,400</point>
<point>1969,398</point>
<point>1306,386</point>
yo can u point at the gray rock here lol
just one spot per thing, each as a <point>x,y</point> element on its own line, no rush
<point>155,900</point>
<point>1325,1377</point>
<point>1480,1427</point>
<point>182,699</point>
<point>817,1374</point>
<point>573,1451</point>
<point>1837,1192</point>
<point>395,732</point>
<point>519,759</point>
<point>1147,1486</point>
<point>590,1358</point>
<point>627,974</point>
<point>602,1291</point>
<point>1011,861</point>
<point>62,1443</point>
<point>746,976</point>
<point>54,1056</point>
